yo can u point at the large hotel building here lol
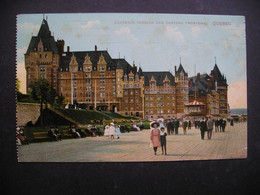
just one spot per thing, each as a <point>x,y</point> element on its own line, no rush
<point>99,82</point>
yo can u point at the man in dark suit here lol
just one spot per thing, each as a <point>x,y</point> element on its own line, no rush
<point>203,128</point>
<point>176,126</point>
<point>220,124</point>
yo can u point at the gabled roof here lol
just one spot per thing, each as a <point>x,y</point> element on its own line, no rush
<point>181,69</point>
<point>80,58</point>
<point>221,80</point>
<point>201,85</point>
<point>44,35</point>
<point>159,77</point>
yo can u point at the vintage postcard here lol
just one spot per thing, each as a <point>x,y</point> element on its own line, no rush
<point>131,87</point>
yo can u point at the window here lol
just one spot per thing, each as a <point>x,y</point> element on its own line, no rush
<point>46,55</point>
<point>29,69</point>
<point>75,82</point>
<point>113,74</point>
<point>101,88</point>
<point>75,88</point>
<point>137,100</point>
<point>88,94</point>
<point>61,89</point>
<point>136,92</point>
<point>126,100</point>
<point>146,97</point>
<point>125,107</point>
<point>151,98</point>
<point>131,99</point>
<point>29,76</point>
<point>88,88</point>
<point>146,105</point>
<point>75,95</point>
<point>114,81</point>
<point>42,69</point>
<point>131,92</point>
<point>102,94</point>
<point>43,75</point>
<point>137,107</point>
<point>151,104</point>
<point>87,75</point>
<point>101,81</point>
<point>74,75</point>
<point>101,68</point>
<point>102,75</point>
<point>88,81</point>
<point>125,92</point>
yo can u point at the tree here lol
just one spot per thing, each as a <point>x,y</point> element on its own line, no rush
<point>44,93</point>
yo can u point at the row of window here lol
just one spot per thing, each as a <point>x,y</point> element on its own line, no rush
<point>131,86</point>
<point>159,111</point>
<point>131,92</point>
<point>131,107</point>
<point>159,97</point>
<point>131,100</point>
<point>159,104</point>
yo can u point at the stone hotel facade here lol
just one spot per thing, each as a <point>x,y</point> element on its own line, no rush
<point>98,82</point>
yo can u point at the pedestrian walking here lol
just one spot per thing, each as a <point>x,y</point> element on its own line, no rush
<point>220,124</point>
<point>231,122</point>
<point>172,126</point>
<point>163,135</point>
<point>203,128</point>
<point>189,124</point>
<point>118,132</point>
<point>176,126</point>
<point>224,123</point>
<point>155,136</point>
<point>209,127</point>
<point>184,126</point>
<point>168,126</point>
<point>112,130</point>
<point>106,132</point>
<point>217,125</point>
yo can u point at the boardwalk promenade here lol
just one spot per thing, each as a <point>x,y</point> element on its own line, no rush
<point>134,146</point>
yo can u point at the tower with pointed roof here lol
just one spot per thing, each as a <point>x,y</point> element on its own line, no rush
<point>221,87</point>
<point>182,90</point>
<point>42,58</point>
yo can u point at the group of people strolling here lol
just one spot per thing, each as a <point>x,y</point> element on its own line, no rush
<point>112,130</point>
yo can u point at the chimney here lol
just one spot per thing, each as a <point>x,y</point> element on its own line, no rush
<point>191,81</point>
<point>175,70</point>
<point>198,77</point>
<point>68,49</point>
<point>208,82</point>
<point>95,48</point>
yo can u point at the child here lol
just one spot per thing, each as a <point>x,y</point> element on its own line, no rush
<point>163,135</point>
<point>118,133</point>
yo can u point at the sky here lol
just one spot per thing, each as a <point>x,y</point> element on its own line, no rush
<point>156,42</point>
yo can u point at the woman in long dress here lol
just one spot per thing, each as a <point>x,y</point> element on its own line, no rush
<point>112,130</point>
<point>106,133</point>
<point>118,132</point>
<point>155,136</point>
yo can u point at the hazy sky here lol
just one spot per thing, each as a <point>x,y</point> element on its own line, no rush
<point>154,41</point>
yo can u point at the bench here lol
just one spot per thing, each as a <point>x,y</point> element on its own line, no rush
<point>40,135</point>
<point>66,133</point>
